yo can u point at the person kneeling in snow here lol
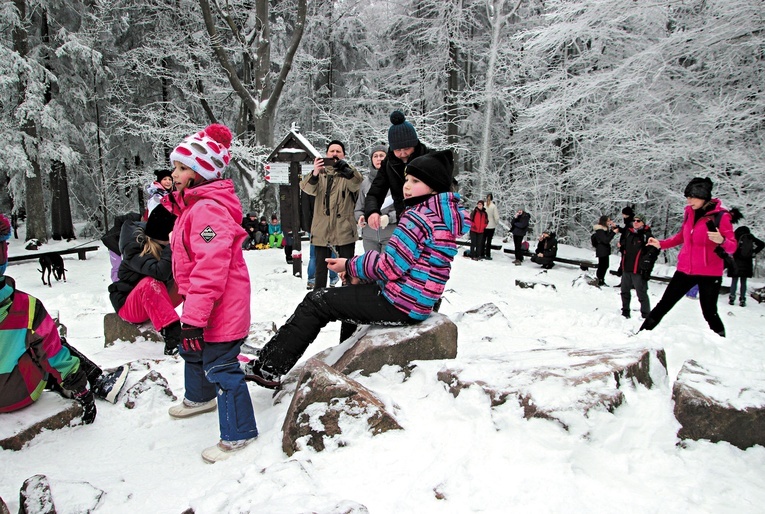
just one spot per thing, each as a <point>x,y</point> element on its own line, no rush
<point>33,357</point>
<point>419,252</point>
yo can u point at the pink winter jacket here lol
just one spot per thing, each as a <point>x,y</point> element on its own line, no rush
<point>697,256</point>
<point>208,265</point>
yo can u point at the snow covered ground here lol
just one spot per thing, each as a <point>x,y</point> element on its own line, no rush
<point>477,459</point>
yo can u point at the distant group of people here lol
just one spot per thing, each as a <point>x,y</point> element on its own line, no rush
<point>708,243</point>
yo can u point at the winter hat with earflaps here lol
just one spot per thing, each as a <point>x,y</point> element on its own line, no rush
<point>401,134</point>
<point>435,169</point>
<point>700,188</point>
<point>5,235</point>
<point>205,152</point>
<point>160,224</point>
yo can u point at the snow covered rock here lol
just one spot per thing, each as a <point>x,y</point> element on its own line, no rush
<point>758,294</point>
<point>50,412</point>
<point>38,493</point>
<point>371,349</point>
<point>149,388</point>
<point>330,409</point>
<point>709,407</point>
<point>534,378</point>
<point>259,334</point>
<point>526,284</point>
<point>116,329</point>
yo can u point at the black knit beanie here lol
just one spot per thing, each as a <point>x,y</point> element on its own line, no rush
<point>435,169</point>
<point>160,223</point>
<point>336,142</point>
<point>401,134</point>
<point>628,211</point>
<point>162,173</point>
<point>700,188</point>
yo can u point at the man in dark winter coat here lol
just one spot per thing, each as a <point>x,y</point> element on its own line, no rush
<point>748,247</point>
<point>403,147</point>
<point>250,224</point>
<point>547,250</point>
<point>634,275</point>
<point>518,227</point>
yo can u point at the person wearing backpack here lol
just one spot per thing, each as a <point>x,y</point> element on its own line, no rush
<point>748,247</point>
<point>705,234</point>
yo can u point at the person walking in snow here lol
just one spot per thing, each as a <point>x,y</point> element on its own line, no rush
<point>603,234</point>
<point>375,239</point>
<point>33,357</point>
<point>209,269</point>
<point>492,214</point>
<point>706,232</point>
<point>399,286</point>
<point>478,222</point>
<point>145,289</point>
<point>747,247</point>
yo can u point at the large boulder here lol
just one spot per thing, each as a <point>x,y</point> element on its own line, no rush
<point>325,405</point>
<point>117,329</point>
<point>592,378</point>
<point>50,412</point>
<point>376,346</point>
<point>710,407</point>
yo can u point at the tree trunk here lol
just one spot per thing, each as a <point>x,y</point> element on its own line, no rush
<point>60,212</point>
<point>33,184</point>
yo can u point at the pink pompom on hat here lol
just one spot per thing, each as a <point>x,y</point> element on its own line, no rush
<point>205,152</point>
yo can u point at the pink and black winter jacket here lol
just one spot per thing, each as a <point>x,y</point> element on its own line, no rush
<point>697,256</point>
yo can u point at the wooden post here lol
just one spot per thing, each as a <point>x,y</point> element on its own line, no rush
<point>297,262</point>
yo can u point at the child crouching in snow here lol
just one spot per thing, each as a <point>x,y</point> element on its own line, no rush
<point>210,272</point>
<point>419,253</point>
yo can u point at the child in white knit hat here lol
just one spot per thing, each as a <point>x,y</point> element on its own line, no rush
<point>209,269</point>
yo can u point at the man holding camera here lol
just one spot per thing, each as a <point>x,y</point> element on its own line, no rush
<point>335,184</point>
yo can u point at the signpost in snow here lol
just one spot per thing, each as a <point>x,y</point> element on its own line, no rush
<point>278,173</point>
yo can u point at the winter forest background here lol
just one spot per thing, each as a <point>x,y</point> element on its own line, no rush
<point>571,109</point>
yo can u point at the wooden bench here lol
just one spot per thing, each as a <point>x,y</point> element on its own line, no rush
<point>583,265</point>
<point>80,251</point>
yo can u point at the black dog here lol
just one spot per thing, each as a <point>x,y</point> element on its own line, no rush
<point>52,263</point>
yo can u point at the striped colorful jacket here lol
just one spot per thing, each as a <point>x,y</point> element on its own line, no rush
<point>414,268</point>
<point>30,349</point>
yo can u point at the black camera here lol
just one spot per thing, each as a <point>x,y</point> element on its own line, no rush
<point>329,161</point>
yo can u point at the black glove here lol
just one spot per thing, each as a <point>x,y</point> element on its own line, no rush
<point>192,338</point>
<point>344,169</point>
<point>88,402</point>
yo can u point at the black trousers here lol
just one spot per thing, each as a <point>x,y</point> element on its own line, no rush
<point>323,252</point>
<point>681,283</point>
<point>518,243</point>
<point>488,235</point>
<point>603,263</point>
<point>361,304</point>
<point>476,245</point>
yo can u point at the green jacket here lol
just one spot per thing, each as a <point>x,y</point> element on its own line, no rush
<point>333,219</point>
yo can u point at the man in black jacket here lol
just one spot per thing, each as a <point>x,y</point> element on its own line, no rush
<point>635,272</point>
<point>403,146</point>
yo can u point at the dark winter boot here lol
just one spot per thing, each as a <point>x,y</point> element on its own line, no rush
<point>626,313</point>
<point>731,300</point>
<point>109,385</point>
<point>172,336</point>
<point>649,324</point>
<point>742,302</point>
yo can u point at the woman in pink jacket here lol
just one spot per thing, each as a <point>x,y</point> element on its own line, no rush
<point>706,234</point>
<point>210,272</point>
